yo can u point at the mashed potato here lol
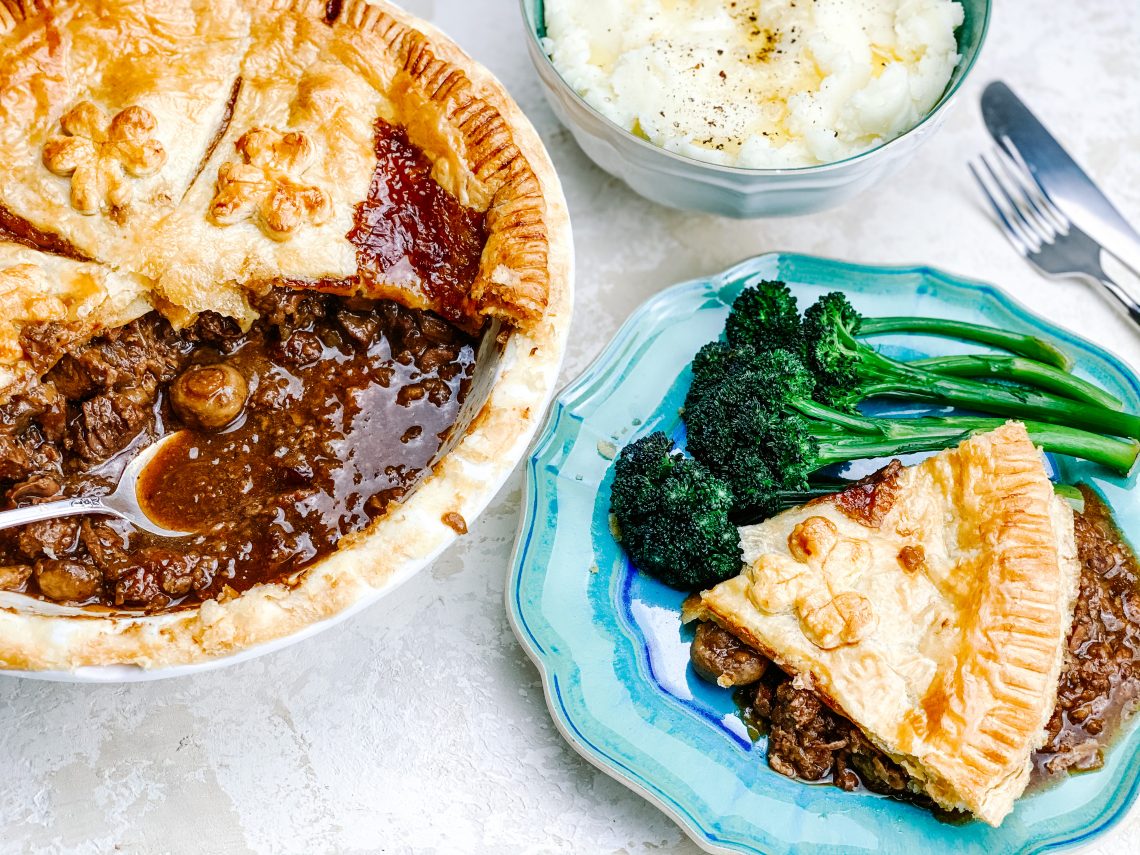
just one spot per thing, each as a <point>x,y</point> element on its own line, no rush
<point>758,83</point>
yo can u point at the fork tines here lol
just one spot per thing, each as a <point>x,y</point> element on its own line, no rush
<point>1024,210</point>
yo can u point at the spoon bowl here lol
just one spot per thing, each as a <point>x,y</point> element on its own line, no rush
<point>122,502</point>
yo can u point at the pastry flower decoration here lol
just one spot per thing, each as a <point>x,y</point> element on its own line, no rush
<point>266,185</point>
<point>99,154</point>
<point>815,584</point>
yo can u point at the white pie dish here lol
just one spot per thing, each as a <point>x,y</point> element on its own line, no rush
<point>528,244</point>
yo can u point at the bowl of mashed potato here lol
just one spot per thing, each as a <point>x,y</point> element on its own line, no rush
<point>753,108</point>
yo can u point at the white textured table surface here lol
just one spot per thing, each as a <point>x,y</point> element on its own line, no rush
<point>420,725</point>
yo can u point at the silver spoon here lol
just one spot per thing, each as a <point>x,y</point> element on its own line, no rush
<point>123,502</point>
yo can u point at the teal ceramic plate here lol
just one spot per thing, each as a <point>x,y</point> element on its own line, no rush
<point>609,644</point>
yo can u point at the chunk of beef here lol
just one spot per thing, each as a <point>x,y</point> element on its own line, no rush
<point>436,330</point>
<point>35,489</point>
<point>402,330</point>
<point>15,462</point>
<point>136,587</point>
<point>804,737</point>
<point>119,358</point>
<point>436,357</point>
<point>28,406</point>
<point>152,576</point>
<point>290,310</point>
<point>106,424</point>
<point>299,349</point>
<point>45,343</point>
<point>877,771</point>
<point>106,547</point>
<point>361,329</point>
<point>217,331</point>
<point>52,538</point>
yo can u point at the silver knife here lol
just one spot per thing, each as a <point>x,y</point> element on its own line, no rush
<point>1010,121</point>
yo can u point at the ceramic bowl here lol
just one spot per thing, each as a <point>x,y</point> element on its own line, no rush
<point>608,641</point>
<point>682,182</point>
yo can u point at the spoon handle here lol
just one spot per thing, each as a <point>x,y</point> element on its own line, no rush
<point>53,510</point>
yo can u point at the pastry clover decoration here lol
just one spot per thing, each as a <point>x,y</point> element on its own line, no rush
<point>98,154</point>
<point>266,184</point>
<point>815,584</point>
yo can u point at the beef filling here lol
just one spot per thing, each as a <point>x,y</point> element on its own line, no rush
<point>1099,686</point>
<point>1100,680</point>
<point>298,432</point>
<point>807,740</point>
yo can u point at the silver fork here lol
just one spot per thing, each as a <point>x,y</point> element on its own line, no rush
<point>1038,229</point>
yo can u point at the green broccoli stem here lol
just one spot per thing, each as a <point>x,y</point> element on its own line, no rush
<point>885,377</point>
<point>1023,345</point>
<point>907,436</point>
<point>1020,370</point>
<point>824,413</point>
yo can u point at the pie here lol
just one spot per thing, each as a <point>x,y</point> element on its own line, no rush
<point>930,607</point>
<point>313,238</point>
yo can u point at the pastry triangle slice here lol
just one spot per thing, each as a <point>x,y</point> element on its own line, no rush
<point>930,605</point>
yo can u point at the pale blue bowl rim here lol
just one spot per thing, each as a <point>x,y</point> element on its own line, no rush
<point>943,103</point>
<point>548,663</point>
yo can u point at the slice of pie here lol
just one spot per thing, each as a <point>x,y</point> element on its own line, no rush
<point>930,606</point>
<point>313,238</point>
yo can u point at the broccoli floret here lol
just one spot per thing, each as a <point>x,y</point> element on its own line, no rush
<point>832,353</point>
<point>736,430</point>
<point>765,317</point>
<point>716,362</point>
<point>673,515</point>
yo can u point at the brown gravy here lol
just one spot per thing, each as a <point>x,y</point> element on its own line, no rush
<point>348,404</point>
<point>323,447</point>
<point>18,230</point>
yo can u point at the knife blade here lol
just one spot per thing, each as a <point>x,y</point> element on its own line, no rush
<point>1010,121</point>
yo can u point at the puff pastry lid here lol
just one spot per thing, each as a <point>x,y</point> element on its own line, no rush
<point>213,147</point>
<point>929,606</point>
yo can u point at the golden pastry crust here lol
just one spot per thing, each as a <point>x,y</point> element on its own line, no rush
<point>940,628</point>
<point>232,147</point>
<point>301,79</point>
<point>324,88</point>
<point>123,80</point>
